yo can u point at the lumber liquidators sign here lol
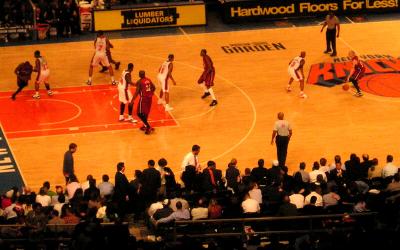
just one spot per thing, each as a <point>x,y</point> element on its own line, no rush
<point>382,74</point>
<point>256,10</point>
<point>158,16</point>
<point>9,172</point>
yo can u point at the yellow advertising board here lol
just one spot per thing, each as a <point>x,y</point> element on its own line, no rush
<point>150,17</point>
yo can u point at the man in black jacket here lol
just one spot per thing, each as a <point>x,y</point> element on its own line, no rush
<point>68,163</point>
<point>151,182</point>
<point>260,173</point>
<point>211,177</point>
<point>232,175</point>
<point>121,188</point>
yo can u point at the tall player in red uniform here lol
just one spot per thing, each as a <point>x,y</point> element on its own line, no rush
<point>206,79</point>
<point>145,90</point>
<point>356,73</point>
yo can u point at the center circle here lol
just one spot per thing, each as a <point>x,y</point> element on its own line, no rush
<point>387,85</point>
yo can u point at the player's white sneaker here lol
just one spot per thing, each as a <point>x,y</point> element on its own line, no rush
<point>288,89</point>
<point>50,93</point>
<point>358,94</point>
<point>130,119</point>
<point>114,82</point>
<point>161,101</point>
<point>168,108</point>
<point>121,118</point>
<point>89,82</point>
<point>36,96</point>
<point>302,95</point>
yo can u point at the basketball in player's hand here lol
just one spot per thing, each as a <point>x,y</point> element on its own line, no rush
<point>345,87</point>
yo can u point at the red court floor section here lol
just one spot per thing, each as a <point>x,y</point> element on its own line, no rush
<point>70,110</point>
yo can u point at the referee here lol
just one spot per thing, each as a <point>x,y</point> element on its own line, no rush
<point>332,31</point>
<point>281,134</point>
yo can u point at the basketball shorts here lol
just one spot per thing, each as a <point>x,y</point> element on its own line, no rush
<point>207,78</point>
<point>122,95</point>
<point>100,58</point>
<point>163,83</point>
<point>44,76</point>
<point>144,105</point>
<point>295,74</point>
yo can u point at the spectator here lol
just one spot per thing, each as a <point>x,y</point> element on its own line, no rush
<point>155,206</point>
<point>85,185</point>
<point>389,169</point>
<point>312,208</point>
<point>287,208</point>
<point>68,165</point>
<point>232,175</point>
<point>394,186</point>
<point>60,203</point>
<point>365,166</point>
<point>59,191</point>
<point>177,197</point>
<point>189,178</point>
<point>297,198</point>
<point>92,193</point>
<point>162,163</point>
<point>214,209</point>
<point>305,176</point>
<point>247,178</point>
<point>163,212</point>
<point>250,206</point>
<point>331,198</point>
<point>323,165</point>
<point>43,198</point>
<point>180,214</point>
<point>211,178</point>
<point>49,192</point>
<point>151,182</point>
<point>72,186</point>
<point>55,218</point>
<point>106,188</point>
<point>200,211</point>
<point>36,220</point>
<point>353,168</point>
<point>121,188</point>
<point>338,174</point>
<point>316,192</point>
<point>192,158</point>
<point>68,216</point>
<point>260,173</point>
<point>255,192</point>
<point>315,172</point>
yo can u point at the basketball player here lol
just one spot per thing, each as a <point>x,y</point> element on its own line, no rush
<point>100,56</point>
<point>145,90</point>
<point>23,72</point>
<point>110,59</point>
<point>125,94</point>
<point>356,73</point>
<point>207,77</point>
<point>43,73</point>
<point>296,73</point>
<point>165,73</point>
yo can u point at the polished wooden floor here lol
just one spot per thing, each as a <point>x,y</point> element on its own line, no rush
<point>250,88</point>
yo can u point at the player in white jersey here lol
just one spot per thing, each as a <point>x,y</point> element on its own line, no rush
<point>100,55</point>
<point>43,73</point>
<point>125,94</point>
<point>296,73</point>
<point>165,73</point>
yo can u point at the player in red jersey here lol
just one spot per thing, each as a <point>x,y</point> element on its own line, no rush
<point>356,73</point>
<point>145,90</point>
<point>206,79</point>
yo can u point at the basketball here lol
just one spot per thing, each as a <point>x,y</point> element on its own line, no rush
<point>345,87</point>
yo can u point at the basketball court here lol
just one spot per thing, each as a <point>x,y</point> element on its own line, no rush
<point>251,76</point>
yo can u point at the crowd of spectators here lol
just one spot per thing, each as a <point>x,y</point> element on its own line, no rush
<point>155,195</point>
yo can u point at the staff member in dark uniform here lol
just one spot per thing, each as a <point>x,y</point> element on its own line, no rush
<point>281,134</point>
<point>68,163</point>
<point>332,23</point>
<point>23,72</point>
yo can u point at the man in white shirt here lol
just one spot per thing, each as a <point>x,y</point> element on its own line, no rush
<point>250,205</point>
<point>314,174</point>
<point>192,158</point>
<point>323,165</point>
<point>390,169</point>
<point>43,198</point>
<point>314,192</point>
<point>297,199</point>
<point>106,187</point>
